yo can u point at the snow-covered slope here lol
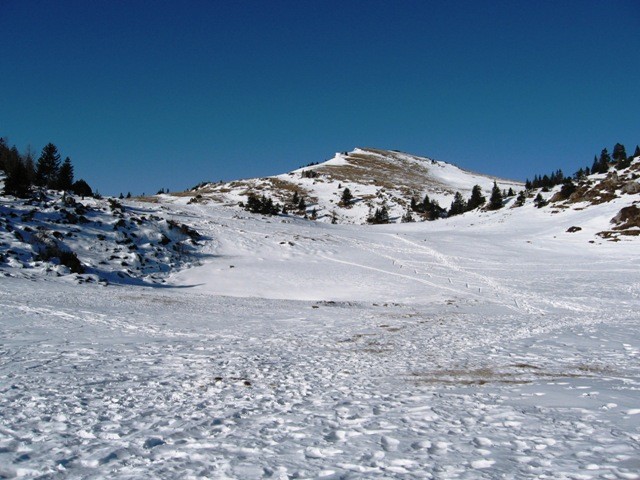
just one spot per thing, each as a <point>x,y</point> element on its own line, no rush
<point>374,177</point>
<point>494,344</point>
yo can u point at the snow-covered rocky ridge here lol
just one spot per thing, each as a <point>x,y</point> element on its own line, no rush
<point>494,344</point>
<point>374,177</point>
<point>92,240</point>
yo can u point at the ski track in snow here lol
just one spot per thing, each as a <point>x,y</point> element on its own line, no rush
<point>481,369</point>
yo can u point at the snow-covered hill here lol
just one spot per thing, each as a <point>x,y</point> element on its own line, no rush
<point>374,177</point>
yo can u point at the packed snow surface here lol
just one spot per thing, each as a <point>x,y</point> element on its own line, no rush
<point>492,346</point>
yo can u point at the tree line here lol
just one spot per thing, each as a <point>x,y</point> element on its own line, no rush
<point>23,172</point>
<point>601,164</point>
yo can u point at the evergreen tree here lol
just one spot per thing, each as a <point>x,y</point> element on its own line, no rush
<point>380,216</point>
<point>302,205</point>
<point>30,166</point>
<point>568,187</point>
<point>16,182</point>
<point>619,153</point>
<point>408,217</point>
<point>295,199</point>
<point>435,211</point>
<point>477,199</point>
<point>637,152</point>
<point>495,201</point>
<point>346,198</point>
<point>82,188</point>
<point>65,175</point>
<point>511,193</point>
<point>520,199</point>
<point>539,201</point>
<point>47,166</point>
<point>426,204</point>
<point>458,205</point>
<point>602,164</point>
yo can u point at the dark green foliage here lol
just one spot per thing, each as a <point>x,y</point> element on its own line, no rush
<point>495,201</point>
<point>263,205</point>
<point>65,175</point>
<point>620,157</point>
<point>476,199</point>
<point>16,182</point>
<point>47,166</point>
<point>302,205</point>
<point>81,188</point>
<point>619,153</point>
<point>601,165</point>
<point>511,193</point>
<point>568,187</point>
<point>435,211</point>
<point>546,181</point>
<point>380,216</point>
<point>458,205</point>
<point>520,199</point>
<point>637,152</point>
<point>346,198</point>
<point>539,201</point>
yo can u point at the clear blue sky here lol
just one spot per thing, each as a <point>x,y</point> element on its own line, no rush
<point>144,95</point>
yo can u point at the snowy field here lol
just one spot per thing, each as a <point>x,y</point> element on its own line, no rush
<point>503,349</point>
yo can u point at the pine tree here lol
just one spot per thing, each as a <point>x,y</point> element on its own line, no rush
<point>619,153</point>
<point>602,164</point>
<point>82,188</point>
<point>458,205</point>
<point>16,182</point>
<point>47,166</point>
<point>65,175</point>
<point>435,211</point>
<point>477,199</point>
<point>637,152</point>
<point>407,217</point>
<point>568,187</point>
<point>346,198</point>
<point>495,202</point>
<point>539,201</point>
<point>426,204</point>
<point>380,216</point>
<point>520,199</point>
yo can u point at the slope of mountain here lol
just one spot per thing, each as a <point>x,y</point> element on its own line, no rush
<point>374,177</point>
